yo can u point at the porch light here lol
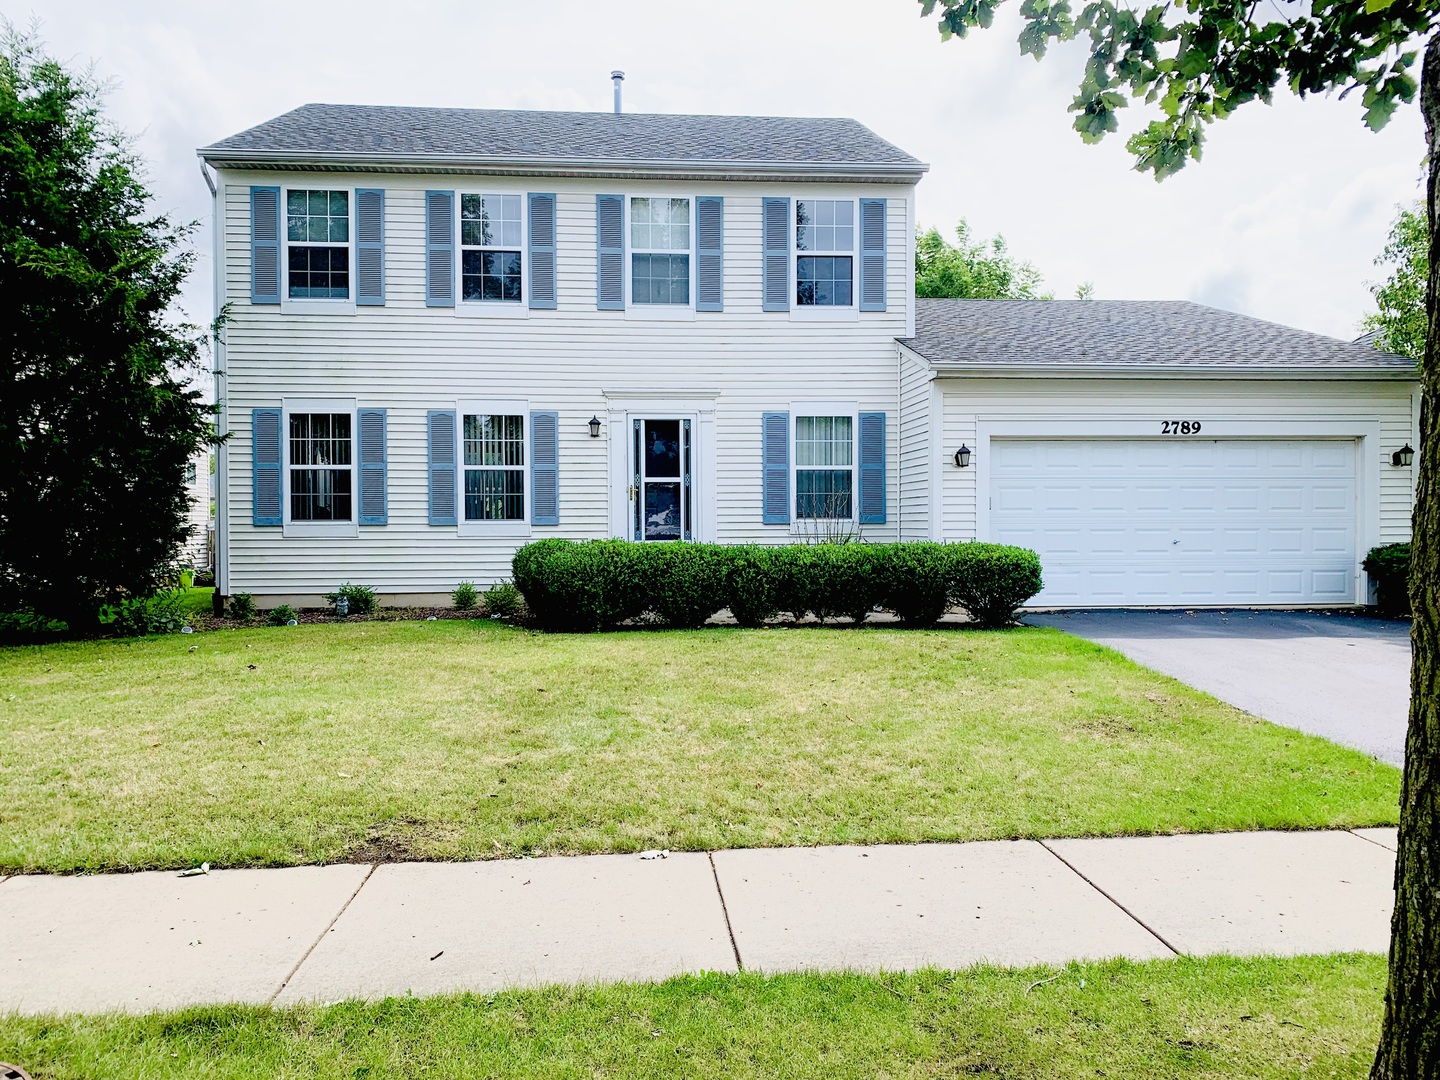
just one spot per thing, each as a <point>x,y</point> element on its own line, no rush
<point>962,456</point>
<point>594,427</point>
<point>1403,457</point>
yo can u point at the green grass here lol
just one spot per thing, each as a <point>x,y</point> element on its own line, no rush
<point>197,600</point>
<point>1219,1017</point>
<point>467,739</point>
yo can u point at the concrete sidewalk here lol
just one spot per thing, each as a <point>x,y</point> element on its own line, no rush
<point>154,940</point>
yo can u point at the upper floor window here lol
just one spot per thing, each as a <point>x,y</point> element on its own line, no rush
<point>317,231</point>
<point>824,466</point>
<point>490,247</point>
<point>825,252</point>
<point>660,251</point>
<point>321,470</point>
<point>494,467</point>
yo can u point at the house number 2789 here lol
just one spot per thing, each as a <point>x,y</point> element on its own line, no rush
<point>1179,427</point>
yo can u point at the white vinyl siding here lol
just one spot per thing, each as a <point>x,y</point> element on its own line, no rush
<point>407,359</point>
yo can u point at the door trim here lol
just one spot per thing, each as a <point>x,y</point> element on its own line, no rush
<point>699,409</point>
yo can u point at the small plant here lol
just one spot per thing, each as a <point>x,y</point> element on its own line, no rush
<point>359,599</point>
<point>502,600</point>
<point>163,613</point>
<point>1389,565</point>
<point>242,607</point>
<point>280,615</point>
<point>465,596</point>
<point>204,579</point>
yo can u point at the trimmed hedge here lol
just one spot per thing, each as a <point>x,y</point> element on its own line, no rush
<point>588,585</point>
<point>1389,565</point>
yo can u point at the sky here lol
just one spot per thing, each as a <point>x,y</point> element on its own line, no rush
<point>1282,219</point>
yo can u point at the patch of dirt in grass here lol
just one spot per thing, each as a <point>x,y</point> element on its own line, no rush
<point>403,840</point>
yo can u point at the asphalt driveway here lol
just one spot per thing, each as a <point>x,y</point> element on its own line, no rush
<point>1343,677</point>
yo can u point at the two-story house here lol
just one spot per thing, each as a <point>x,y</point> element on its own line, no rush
<point>450,332</point>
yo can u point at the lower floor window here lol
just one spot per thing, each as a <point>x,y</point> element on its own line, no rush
<point>824,466</point>
<point>494,467</point>
<point>320,467</point>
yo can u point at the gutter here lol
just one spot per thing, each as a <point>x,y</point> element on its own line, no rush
<point>1171,371</point>
<point>330,161</point>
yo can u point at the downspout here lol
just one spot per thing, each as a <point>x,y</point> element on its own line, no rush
<point>222,415</point>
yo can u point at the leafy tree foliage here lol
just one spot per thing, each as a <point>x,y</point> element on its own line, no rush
<point>97,420</point>
<point>1400,298</point>
<point>1198,61</point>
<point>972,269</point>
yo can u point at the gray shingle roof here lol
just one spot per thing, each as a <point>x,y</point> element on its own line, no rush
<point>1124,335</point>
<point>498,135</point>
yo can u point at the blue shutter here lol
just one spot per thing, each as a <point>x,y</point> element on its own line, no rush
<point>374,508</point>
<point>775,468</point>
<point>872,468</point>
<point>369,247</point>
<point>872,255</point>
<point>542,250</point>
<point>709,253</point>
<point>545,468</point>
<point>265,467</point>
<point>264,245</point>
<point>440,425</point>
<point>775,241</point>
<point>610,247</point>
<point>439,249</point>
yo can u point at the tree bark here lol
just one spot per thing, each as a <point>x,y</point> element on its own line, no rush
<point>1410,1037</point>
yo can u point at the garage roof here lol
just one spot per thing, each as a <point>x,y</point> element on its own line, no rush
<point>1129,336</point>
<point>360,136</point>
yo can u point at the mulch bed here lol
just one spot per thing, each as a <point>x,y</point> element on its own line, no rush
<point>305,616</point>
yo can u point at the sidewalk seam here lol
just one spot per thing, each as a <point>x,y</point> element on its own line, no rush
<point>725,910</point>
<point>1382,847</point>
<point>316,943</point>
<point>1141,922</point>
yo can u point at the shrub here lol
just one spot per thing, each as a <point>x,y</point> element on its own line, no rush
<point>361,598</point>
<point>465,596</point>
<point>751,588</point>
<point>502,600</point>
<point>581,586</point>
<point>916,582</point>
<point>991,580</point>
<point>598,583</point>
<point>280,615</point>
<point>686,581</point>
<point>204,579</point>
<point>24,627</point>
<point>242,607</point>
<point>1389,565</point>
<point>163,613</point>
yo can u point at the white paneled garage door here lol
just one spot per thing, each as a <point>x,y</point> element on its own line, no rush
<point>1189,522</point>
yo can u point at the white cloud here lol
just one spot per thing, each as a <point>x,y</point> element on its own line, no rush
<point>1281,219</point>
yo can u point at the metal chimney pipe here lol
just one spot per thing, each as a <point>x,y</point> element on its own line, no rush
<point>618,77</point>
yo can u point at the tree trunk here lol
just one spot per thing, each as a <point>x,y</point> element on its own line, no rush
<point>1410,1038</point>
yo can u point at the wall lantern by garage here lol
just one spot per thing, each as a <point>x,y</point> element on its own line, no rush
<point>594,427</point>
<point>962,456</point>
<point>1402,458</point>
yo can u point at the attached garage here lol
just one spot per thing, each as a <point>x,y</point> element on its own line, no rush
<point>1159,454</point>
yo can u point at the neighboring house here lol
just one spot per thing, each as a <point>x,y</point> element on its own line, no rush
<point>455,331</point>
<point>196,552</point>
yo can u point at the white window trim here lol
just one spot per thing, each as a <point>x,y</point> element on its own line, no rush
<point>493,309</point>
<point>658,312</point>
<point>806,526</point>
<point>494,407</point>
<point>313,305</point>
<point>832,312</point>
<point>320,528</point>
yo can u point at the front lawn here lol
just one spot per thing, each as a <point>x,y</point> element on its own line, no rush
<point>1212,1018</point>
<point>468,739</point>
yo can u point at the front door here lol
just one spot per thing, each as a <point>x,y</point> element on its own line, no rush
<point>660,491</point>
